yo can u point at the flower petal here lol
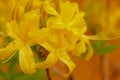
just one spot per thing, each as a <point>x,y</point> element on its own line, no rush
<point>67,11</point>
<point>49,62</point>
<point>39,36</point>
<point>55,23</point>
<point>29,22</point>
<point>47,46</point>
<point>64,57</point>
<point>79,49</point>
<point>36,4</point>
<point>90,50</point>
<point>26,59</point>
<point>71,39</point>
<point>78,24</point>
<point>103,36</point>
<point>13,30</point>
<point>7,52</point>
<point>48,8</point>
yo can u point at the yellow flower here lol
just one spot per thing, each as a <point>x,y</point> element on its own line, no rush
<point>25,33</point>
<point>72,19</point>
<point>60,42</point>
<point>83,46</point>
<point>112,21</point>
<point>64,33</point>
<point>66,29</point>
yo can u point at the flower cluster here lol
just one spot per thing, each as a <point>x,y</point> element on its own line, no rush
<point>58,26</point>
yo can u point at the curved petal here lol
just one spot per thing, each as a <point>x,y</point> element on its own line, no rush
<point>71,39</point>
<point>36,4</point>
<point>78,24</point>
<point>49,62</point>
<point>47,46</point>
<point>103,36</point>
<point>55,23</point>
<point>64,57</point>
<point>39,36</point>
<point>17,11</point>
<point>79,49</point>
<point>13,30</point>
<point>7,52</point>
<point>48,8</point>
<point>26,59</point>
<point>67,11</point>
<point>29,22</point>
<point>90,50</point>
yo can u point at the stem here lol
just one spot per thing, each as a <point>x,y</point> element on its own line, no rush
<point>48,74</point>
<point>70,77</point>
<point>104,67</point>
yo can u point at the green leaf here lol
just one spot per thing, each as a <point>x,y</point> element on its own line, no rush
<point>108,49</point>
<point>101,47</point>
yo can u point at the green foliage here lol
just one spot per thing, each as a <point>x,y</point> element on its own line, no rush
<point>13,72</point>
<point>103,47</point>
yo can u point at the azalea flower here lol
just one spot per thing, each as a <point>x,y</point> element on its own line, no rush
<point>62,35</point>
<point>110,20</point>
<point>58,45</point>
<point>25,33</point>
<point>72,19</point>
<point>66,35</point>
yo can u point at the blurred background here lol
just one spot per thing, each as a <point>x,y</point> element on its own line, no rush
<point>101,15</point>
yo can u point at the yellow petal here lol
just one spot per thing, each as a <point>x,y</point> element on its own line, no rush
<point>10,5</point>
<point>7,52</point>
<point>49,62</point>
<point>114,28</point>
<point>17,12</point>
<point>36,4</point>
<point>49,8</point>
<point>78,24</point>
<point>71,39</point>
<point>29,22</point>
<point>64,57</point>
<point>47,46</point>
<point>67,11</point>
<point>79,49</point>
<point>39,36</point>
<point>53,38</point>
<point>103,36</point>
<point>55,23</point>
<point>26,59</point>
<point>13,30</point>
<point>90,50</point>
